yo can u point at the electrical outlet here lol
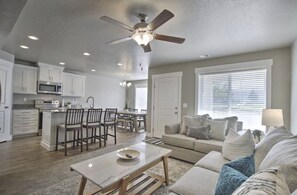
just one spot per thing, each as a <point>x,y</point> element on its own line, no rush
<point>185,105</point>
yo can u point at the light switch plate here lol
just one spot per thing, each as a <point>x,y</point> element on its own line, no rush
<point>185,105</point>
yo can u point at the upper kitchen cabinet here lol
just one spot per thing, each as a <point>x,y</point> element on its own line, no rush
<point>73,85</point>
<point>25,79</point>
<point>50,73</point>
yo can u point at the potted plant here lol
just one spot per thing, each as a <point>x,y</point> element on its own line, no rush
<point>257,134</point>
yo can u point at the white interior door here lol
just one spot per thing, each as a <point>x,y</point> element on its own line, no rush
<point>166,101</point>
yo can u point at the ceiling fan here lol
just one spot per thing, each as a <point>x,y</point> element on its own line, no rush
<point>143,33</point>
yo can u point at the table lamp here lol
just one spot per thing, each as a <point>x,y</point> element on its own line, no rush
<point>272,118</point>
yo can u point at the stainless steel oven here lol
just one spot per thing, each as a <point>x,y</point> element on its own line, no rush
<point>49,88</point>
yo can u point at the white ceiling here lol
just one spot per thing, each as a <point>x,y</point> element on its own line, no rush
<point>216,27</point>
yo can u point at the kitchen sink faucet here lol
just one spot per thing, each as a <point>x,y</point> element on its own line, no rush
<point>91,97</point>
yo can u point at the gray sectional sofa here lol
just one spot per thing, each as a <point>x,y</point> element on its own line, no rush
<point>202,178</point>
<point>188,148</point>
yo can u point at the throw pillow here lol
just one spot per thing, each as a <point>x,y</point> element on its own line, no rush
<point>217,129</point>
<point>284,155</point>
<point>236,146</point>
<point>199,132</point>
<point>271,138</point>
<point>245,165</point>
<point>232,123</point>
<point>229,180</point>
<point>194,121</point>
<point>267,182</point>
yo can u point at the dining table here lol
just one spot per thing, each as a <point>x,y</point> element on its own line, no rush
<point>134,115</point>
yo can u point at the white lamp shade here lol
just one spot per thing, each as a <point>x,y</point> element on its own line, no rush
<point>272,117</point>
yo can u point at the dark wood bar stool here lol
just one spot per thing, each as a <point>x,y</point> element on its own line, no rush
<point>73,123</point>
<point>93,122</point>
<point>110,117</point>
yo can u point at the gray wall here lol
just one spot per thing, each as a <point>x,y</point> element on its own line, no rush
<point>281,78</point>
<point>294,88</point>
<point>106,91</point>
<point>130,92</point>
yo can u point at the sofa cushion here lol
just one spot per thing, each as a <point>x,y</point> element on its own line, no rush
<point>270,139</point>
<point>199,132</point>
<point>284,154</point>
<point>218,129</point>
<point>213,161</point>
<point>196,181</point>
<point>237,146</point>
<point>205,146</point>
<point>229,180</point>
<point>270,181</point>
<point>232,123</point>
<point>194,121</point>
<point>179,140</point>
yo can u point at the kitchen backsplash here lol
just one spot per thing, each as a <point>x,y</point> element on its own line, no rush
<point>29,99</point>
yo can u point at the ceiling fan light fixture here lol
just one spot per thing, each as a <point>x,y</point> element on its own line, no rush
<point>142,37</point>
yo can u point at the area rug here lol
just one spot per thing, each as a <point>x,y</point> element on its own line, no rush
<point>177,169</point>
<point>154,140</point>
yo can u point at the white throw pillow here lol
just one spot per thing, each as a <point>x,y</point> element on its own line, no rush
<point>236,146</point>
<point>268,182</point>
<point>284,155</point>
<point>217,129</point>
<point>271,138</point>
<point>193,121</point>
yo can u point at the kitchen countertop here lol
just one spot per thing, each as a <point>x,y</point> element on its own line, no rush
<point>61,110</point>
<point>23,107</point>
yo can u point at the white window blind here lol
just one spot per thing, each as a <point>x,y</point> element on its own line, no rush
<point>241,93</point>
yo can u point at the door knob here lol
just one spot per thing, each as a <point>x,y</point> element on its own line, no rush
<point>6,107</point>
<point>175,112</point>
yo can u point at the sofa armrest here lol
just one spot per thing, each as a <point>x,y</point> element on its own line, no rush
<point>172,129</point>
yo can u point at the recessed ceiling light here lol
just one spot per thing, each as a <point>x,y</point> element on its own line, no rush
<point>62,63</point>
<point>120,64</point>
<point>24,46</point>
<point>93,70</point>
<point>33,37</point>
<point>204,56</point>
<point>86,54</point>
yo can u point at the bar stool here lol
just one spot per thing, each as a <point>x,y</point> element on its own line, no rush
<point>93,122</point>
<point>73,123</point>
<point>110,117</point>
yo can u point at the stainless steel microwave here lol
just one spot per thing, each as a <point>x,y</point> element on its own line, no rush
<point>49,88</point>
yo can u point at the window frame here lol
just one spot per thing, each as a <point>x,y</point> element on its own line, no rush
<point>235,67</point>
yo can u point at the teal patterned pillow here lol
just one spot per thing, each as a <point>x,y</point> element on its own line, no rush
<point>229,180</point>
<point>245,165</point>
<point>233,174</point>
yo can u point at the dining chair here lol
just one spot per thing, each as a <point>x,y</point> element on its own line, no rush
<point>73,123</point>
<point>142,119</point>
<point>110,117</point>
<point>93,122</point>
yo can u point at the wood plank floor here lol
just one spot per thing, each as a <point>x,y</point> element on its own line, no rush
<point>23,153</point>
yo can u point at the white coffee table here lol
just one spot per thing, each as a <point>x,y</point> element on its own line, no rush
<point>110,172</point>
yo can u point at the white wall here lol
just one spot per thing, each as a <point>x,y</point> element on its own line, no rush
<point>106,91</point>
<point>294,88</point>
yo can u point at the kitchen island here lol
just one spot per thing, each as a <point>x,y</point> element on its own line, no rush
<point>50,120</point>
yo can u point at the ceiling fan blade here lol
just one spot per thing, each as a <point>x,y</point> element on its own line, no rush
<point>169,38</point>
<point>147,48</point>
<point>115,22</point>
<point>163,17</point>
<point>119,40</point>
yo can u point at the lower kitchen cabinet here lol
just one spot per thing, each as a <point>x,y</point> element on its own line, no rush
<point>25,121</point>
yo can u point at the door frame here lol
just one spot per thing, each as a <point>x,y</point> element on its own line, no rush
<point>160,76</point>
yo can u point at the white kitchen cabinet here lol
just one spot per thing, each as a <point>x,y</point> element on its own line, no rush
<point>25,79</point>
<point>25,121</point>
<point>73,85</point>
<point>50,73</point>
<point>5,99</point>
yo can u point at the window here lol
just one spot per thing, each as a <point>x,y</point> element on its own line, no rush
<point>141,97</point>
<point>234,92</point>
